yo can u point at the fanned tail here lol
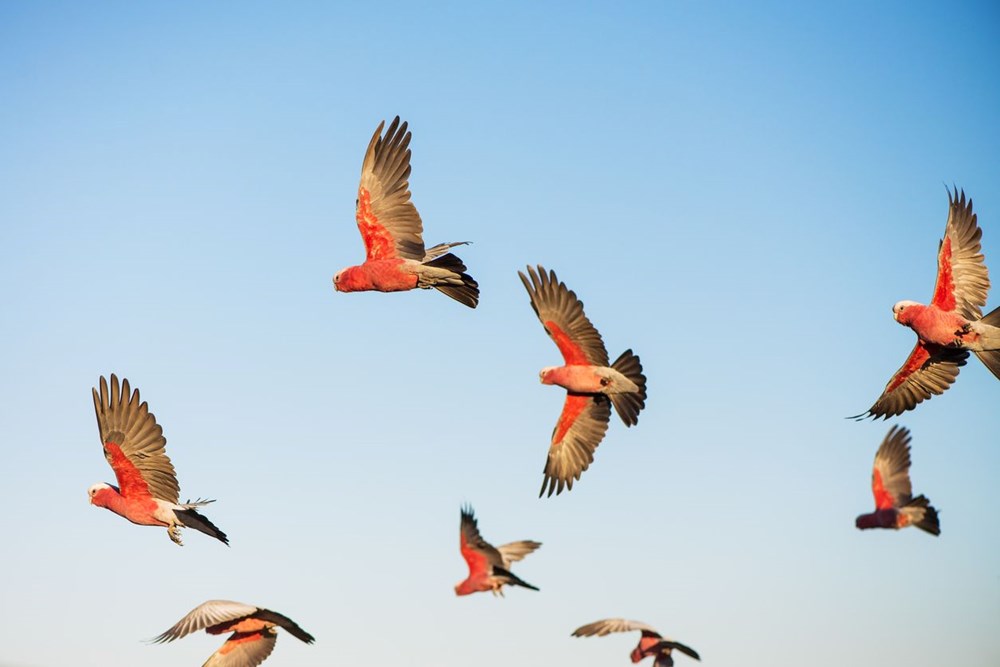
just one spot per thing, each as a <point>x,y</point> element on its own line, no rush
<point>512,578</point>
<point>922,515</point>
<point>628,404</point>
<point>456,283</point>
<point>191,518</point>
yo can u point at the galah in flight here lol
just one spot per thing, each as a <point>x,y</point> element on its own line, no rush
<point>147,491</point>
<point>895,507</point>
<point>952,324</point>
<point>651,643</point>
<point>253,629</point>
<point>390,226</point>
<point>489,566</point>
<point>592,386</point>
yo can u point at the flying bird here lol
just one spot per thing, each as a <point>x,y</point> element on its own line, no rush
<point>952,324</point>
<point>489,566</point>
<point>390,226</point>
<point>895,507</point>
<point>254,631</point>
<point>651,643</point>
<point>147,491</point>
<point>592,386</point>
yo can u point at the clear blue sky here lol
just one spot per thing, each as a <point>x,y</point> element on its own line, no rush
<point>739,192</point>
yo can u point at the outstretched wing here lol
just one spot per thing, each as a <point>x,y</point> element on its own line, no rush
<point>891,472</point>
<point>929,370</point>
<point>388,221</point>
<point>206,615</point>
<point>133,443</point>
<point>561,313</point>
<point>580,429</point>
<point>244,649</point>
<point>609,625</point>
<point>515,551</point>
<point>480,555</point>
<point>962,279</point>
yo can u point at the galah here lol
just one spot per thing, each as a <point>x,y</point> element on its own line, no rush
<point>254,631</point>
<point>489,566</point>
<point>390,226</point>
<point>147,491</point>
<point>895,506</point>
<point>592,386</point>
<point>952,324</point>
<point>651,643</point>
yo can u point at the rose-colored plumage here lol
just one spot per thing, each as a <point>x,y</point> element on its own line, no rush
<point>592,385</point>
<point>395,257</point>
<point>895,506</point>
<point>952,324</point>
<point>651,642</point>
<point>254,631</point>
<point>489,566</point>
<point>147,491</point>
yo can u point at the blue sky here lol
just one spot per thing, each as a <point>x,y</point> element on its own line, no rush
<point>738,192</point>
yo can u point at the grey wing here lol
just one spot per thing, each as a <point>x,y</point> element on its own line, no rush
<point>385,185</point>
<point>929,370</point>
<point>892,461</point>
<point>963,280</point>
<point>238,652</point>
<point>555,304</point>
<point>609,625</point>
<point>515,551</point>
<point>204,616</point>
<point>440,249</point>
<point>472,540</point>
<point>580,429</point>
<point>126,421</point>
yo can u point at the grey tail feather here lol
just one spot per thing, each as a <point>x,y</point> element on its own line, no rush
<point>467,293</point>
<point>514,579</point>
<point>629,404</point>
<point>929,518</point>
<point>190,518</point>
<point>991,358</point>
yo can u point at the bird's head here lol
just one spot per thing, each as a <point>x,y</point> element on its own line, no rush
<point>545,375</point>
<point>636,655</point>
<point>337,278</point>
<point>95,493</point>
<point>899,311</point>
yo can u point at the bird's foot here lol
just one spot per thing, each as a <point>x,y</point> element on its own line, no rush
<point>175,534</point>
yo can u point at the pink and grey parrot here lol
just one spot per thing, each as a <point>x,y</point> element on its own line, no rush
<point>489,566</point>
<point>147,491</point>
<point>592,386</point>
<point>651,643</point>
<point>253,629</point>
<point>895,507</point>
<point>952,324</point>
<point>390,226</point>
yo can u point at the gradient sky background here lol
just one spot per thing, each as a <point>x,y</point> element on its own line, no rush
<point>737,191</point>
